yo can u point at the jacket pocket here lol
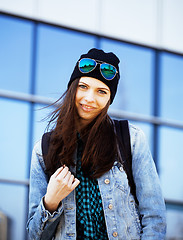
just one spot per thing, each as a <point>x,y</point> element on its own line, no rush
<point>135,225</point>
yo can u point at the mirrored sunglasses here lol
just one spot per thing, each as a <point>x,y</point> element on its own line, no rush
<point>107,70</point>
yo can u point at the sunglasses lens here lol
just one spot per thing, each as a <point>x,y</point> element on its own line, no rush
<point>108,71</point>
<point>86,65</point>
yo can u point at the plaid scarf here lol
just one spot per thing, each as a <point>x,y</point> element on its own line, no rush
<point>90,222</point>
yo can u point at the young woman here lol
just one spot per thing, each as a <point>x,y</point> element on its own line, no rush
<point>80,190</point>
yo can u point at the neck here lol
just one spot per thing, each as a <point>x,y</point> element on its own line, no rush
<point>82,124</point>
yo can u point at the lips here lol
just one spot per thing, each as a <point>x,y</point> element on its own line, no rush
<point>87,108</point>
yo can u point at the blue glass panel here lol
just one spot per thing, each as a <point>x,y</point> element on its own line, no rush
<point>14,139</point>
<point>58,51</point>
<point>15,54</point>
<point>172,86</point>
<point>135,87</point>
<point>171,163</point>
<point>40,121</point>
<point>13,205</point>
<point>174,225</point>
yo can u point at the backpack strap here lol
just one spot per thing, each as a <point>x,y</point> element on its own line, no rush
<point>123,137</point>
<point>45,143</point>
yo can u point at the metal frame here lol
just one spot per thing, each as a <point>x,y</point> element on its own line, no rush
<point>97,35</point>
<point>112,112</point>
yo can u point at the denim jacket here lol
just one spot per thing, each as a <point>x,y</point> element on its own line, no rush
<point>124,220</point>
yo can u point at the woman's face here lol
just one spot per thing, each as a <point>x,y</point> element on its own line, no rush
<point>92,95</point>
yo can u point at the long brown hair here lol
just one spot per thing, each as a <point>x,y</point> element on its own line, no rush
<point>99,138</point>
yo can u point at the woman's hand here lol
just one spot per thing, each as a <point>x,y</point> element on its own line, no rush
<point>61,183</point>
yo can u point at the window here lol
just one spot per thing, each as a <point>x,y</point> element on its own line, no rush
<point>135,87</point>
<point>15,57</point>
<point>14,124</point>
<point>58,51</point>
<point>171,86</point>
<point>13,204</point>
<point>40,122</point>
<point>171,163</point>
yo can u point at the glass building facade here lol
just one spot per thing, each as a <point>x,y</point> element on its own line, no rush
<point>36,60</point>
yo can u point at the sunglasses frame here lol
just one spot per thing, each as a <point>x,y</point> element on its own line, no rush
<point>100,63</point>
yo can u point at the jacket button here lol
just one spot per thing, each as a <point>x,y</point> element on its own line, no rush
<point>121,169</point>
<point>115,234</point>
<point>70,234</point>
<point>110,206</point>
<point>107,181</point>
<point>69,208</point>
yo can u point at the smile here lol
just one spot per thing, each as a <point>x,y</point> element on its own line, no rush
<point>86,107</point>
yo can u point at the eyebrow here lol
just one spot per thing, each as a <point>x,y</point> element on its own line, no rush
<point>102,88</point>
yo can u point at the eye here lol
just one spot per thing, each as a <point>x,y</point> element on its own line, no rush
<point>102,91</point>
<point>82,86</point>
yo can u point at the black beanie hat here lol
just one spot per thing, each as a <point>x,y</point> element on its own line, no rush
<point>100,55</point>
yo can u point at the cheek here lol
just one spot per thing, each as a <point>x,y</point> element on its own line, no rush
<point>77,100</point>
<point>103,102</point>
<point>78,95</point>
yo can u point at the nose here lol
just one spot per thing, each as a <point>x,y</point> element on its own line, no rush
<point>90,96</point>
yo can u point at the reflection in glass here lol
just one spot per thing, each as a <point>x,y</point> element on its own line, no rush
<point>40,121</point>
<point>171,163</point>
<point>14,124</point>
<point>135,86</point>
<point>13,204</point>
<point>15,54</point>
<point>58,52</point>
<point>172,86</point>
<point>174,224</point>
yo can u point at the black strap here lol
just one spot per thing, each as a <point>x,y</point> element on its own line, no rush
<point>45,143</point>
<point>123,135</point>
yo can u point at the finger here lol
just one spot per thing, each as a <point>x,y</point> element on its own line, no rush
<point>63,173</point>
<point>57,172</point>
<point>67,177</point>
<point>71,180</point>
<point>75,183</point>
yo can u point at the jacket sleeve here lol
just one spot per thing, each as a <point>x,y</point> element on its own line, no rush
<point>148,190</point>
<point>41,223</point>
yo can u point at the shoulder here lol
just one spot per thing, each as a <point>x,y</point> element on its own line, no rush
<point>42,144</point>
<point>37,156</point>
<point>37,147</point>
<point>135,131</point>
<point>138,139</point>
<point>129,130</point>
